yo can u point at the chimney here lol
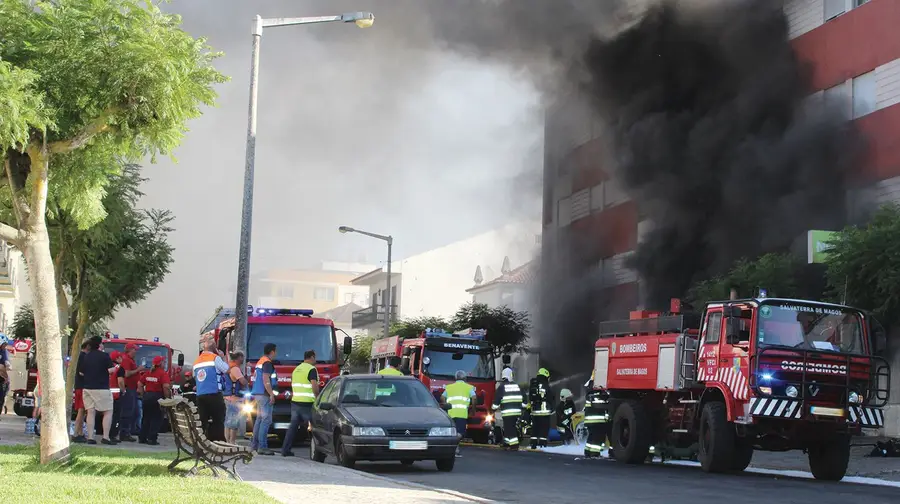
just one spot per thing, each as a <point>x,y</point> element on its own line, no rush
<point>733,294</point>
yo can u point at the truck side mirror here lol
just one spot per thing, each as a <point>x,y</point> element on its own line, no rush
<point>404,365</point>
<point>348,345</point>
<point>878,337</point>
<point>407,351</point>
<point>732,330</point>
<point>180,360</point>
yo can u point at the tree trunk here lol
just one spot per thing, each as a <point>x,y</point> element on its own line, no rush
<point>77,338</point>
<point>41,278</point>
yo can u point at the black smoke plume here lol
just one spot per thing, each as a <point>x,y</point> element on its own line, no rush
<point>704,106</point>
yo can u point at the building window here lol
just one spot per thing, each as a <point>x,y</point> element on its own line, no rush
<point>834,8</point>
<point>838,98</point>
<point>284,291</point>
<point>858,3</point>
<point>864,94</point>
<point>323,293</point>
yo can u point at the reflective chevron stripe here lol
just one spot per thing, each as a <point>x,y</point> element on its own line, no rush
<point>872,417</point>
<point>780,408</point>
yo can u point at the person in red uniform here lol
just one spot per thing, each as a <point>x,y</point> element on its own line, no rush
<point>153,385</point>
<point>129,396</point>
<point>116,385</point>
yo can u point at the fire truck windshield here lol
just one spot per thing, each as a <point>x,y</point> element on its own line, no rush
<point>144,355</point>
<point>811,327</point>
<point>444,364</point>
<point>292,340</point>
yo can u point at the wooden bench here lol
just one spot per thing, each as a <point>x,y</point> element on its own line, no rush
<point>192,443</point>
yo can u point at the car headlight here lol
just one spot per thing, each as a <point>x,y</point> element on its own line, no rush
<point>766,390</point>
<point>29,394</point>
<point>247,408</point>
<point>442,432</point>
<point>855,398</point>
<point>368,431</point>
<point>791,391</point>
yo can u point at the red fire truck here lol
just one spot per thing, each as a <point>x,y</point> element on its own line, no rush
<point>294,332</point>
<point>434,358</point>
<point>753,374</point>
<point>173,360</point>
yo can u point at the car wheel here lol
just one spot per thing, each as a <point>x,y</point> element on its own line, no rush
<point>445,465</point>
<point>407,462</point>
<point>340,452</point>
<point>314,453</point>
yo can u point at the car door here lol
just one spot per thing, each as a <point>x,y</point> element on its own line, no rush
<point>320,418</point>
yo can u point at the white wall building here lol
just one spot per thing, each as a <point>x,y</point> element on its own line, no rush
<point>434,283</point>
<point>14,291</point>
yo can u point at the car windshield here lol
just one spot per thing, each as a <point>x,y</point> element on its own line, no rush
<point>386,392</point>
<point>811,327</point>
<point>292,340</point>
<point>445,364</point>
<point>145,353</point>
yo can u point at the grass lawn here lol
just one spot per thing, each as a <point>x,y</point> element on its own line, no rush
<point>100,475</point>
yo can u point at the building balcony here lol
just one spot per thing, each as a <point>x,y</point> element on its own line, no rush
<point>372,315</point>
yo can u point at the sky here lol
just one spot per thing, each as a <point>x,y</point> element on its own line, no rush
<point>378,129</point>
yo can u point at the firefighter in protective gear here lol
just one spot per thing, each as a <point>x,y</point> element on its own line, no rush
<point>596,418</point>
<point>540,400</point>
<point>508,399</point>
<point>460,396</point>
<point>564,412</point>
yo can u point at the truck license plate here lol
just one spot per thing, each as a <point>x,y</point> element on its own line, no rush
<point>408,445</point>
<point>27,402</point>
<point>834,412</point>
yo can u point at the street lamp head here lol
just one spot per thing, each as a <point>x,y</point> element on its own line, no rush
<point>362,19</point>
<point>345,229</point>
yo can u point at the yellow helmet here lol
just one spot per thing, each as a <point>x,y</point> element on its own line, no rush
<point>544,372</point>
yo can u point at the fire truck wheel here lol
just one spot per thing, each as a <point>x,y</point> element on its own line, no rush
<point>828,461</point>
<point>631,433</point>
<point>743,453</point>
<point>716,439</point>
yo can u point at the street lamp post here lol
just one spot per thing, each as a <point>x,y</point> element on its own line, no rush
<point>387,305</point>
<point>361,19</point>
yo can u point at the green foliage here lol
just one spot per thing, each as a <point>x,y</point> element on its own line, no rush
<point>777,273</point>
<point>506,328</point>
<point>119,261</point>
<point>866,260</point>
<point>362,352</point>
<point>21,106</point>
<point>22,326</point>
<point>413,327</point>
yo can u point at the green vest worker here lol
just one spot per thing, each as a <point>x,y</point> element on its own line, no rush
<point>459,396</point>
<point>304,389</point>
<point>390,370</point>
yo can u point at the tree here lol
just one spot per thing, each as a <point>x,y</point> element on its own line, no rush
<point>88,83</point>
<point>506,329</point>
<point>362,352</point>
<point>22,326</point>
<point>413,327</point>
<point>777,273</point>
<point>113,264</point>
<point>864,265</point>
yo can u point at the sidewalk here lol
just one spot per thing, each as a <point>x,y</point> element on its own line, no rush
<point>294,480</point>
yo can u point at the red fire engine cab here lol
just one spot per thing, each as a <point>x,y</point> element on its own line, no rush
<point>435,356</point>
<point>293,331</point>
<point>752,374</point>
<point>173,360</point>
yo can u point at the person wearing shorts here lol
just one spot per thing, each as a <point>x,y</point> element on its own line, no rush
<point>78,404</point>
<point>97,396</point>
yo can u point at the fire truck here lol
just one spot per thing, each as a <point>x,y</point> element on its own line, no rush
<point>173,360</point>
<point>751,374</point>
<point>293,331</point>
<point>435,356</point>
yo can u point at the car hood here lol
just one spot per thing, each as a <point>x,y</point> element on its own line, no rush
<point>397,417</point>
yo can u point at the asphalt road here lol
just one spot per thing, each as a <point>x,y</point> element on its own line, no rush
<point>544,478</point>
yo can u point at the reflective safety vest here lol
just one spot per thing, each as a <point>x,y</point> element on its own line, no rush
<point>459,396</point>
<point>232,388</point>
<point>259,387</point>
<point>206,375</point>
<point>300,384</point>
<point>511,402</point>
<point>114,382</point>
<point>539,396</point>
<point>390,372</point>
<point>386,390</point>
<point>596,407</point>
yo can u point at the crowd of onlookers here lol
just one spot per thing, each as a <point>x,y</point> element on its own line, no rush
<point>109,386</point>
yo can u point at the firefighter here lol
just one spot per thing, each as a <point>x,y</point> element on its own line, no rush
<point>460,396</point>
<point>596,418</point>
<point>508,399</point>
<point>564,412</point>
<point>540,399</point>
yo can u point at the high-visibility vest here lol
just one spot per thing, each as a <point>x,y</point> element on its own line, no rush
<point>596,407</point>
<point>300,384</point>
<point>459,396</point>
<point>259,385</point>
<point>390,372</point>
<point>206,375</point>
<point>511,403</point>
